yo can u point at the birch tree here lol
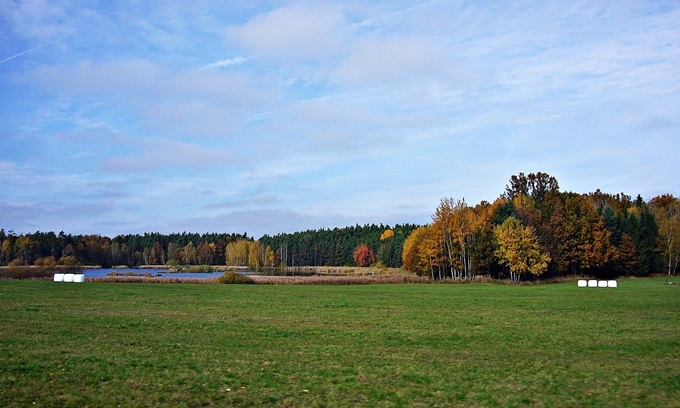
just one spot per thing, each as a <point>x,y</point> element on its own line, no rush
<point>518,249</point>
<point>666,210</point>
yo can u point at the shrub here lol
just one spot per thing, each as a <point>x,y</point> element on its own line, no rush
<point>235,278</point>
<point>46,261</point>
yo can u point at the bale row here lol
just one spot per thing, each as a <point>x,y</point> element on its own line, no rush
<point>69,277</point>
<point>594,283</point>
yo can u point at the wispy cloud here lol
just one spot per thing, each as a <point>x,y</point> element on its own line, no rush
<point>225,63</point>
<point>295,33</point>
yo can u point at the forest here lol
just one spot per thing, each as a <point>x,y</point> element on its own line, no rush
<point>531,230</point>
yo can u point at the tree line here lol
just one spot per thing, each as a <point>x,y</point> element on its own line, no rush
<point>50,249</point>
<point>533,229</point>
<point>349,246</point>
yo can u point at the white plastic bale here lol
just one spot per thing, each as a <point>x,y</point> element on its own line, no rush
<point>602,284</point>
<point>79,278</point>
<point>612,284</point>
<point>582,283</point>
<point>68,277</point>
<point>592,283</point>
<point>58,277</point>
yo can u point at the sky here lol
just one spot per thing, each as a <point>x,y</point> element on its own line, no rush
<point>268,117</point>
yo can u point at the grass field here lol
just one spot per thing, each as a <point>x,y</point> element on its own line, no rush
<point>105,344</point>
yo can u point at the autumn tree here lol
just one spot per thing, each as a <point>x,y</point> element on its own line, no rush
<point>237,253</point>
<point>454,220</point>
<point>157,254</point>
<point>423,252</point>
<point>255,255</point>
<point>269,257</point>
<point>6,251</point>
<point>23,247</point>
<point>666,210</point>
<point>518,249</point>
<point>364,256</point>
<point>389,233</point>
<point>411,253</point>
<point>190,254</point>
<point>598,252</point>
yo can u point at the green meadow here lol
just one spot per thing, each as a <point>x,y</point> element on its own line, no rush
<point>135,344</point>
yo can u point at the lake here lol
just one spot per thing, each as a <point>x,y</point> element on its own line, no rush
<point>156,273</point>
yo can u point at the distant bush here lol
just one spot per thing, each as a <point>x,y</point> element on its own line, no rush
<point>45,262</point>
<point>235,278</point>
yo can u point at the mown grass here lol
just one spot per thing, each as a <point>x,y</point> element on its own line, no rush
<point>98,344</point>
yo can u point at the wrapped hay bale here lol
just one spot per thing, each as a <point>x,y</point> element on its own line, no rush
<point>612,284</point>
<point>58,277</point>
<point>582,283</point>
<point>602,284</point>
<point>592,283</point>
<point>79,278</point>
<point>68,277</point>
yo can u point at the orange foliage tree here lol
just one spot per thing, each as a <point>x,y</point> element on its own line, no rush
<point>364,256</point>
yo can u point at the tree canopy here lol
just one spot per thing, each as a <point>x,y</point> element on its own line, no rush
<point>534,229</point>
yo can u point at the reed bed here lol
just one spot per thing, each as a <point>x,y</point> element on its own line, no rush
<point>32,272</point>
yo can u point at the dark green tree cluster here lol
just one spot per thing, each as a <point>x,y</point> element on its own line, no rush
<point>336,247</point>
<point>535,229</point>
<point>49,249</point>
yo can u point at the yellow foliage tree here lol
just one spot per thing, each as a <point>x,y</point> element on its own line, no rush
<point>518,249</point>
<point>387,234</point>
<point>254,255</point>
<point>269,257</point>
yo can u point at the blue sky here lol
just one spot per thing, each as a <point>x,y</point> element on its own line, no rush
<point>267,117</point>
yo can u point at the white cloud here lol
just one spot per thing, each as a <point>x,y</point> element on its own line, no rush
<point>401,60</point>
<point>295,33</point>
<point>225,63</point>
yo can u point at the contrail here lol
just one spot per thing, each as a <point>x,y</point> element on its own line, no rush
<point>32,49</point>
